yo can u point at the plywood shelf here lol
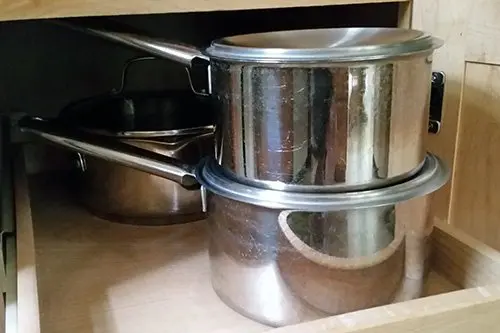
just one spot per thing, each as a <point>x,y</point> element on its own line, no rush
<point>30,9</point>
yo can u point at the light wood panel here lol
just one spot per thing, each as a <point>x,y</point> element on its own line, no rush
<point>483,32</point>
<point>29,9</point>
<point>446,19</point>
<point>470,136</point>
<point>462,259</point>
<point>475,206</point>
<point>28,313</point>
<point>465,311</point>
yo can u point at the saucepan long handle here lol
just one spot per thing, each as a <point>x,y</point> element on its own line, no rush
<point>179,52</point>
<point>111,150</point>
<point>182,53</point>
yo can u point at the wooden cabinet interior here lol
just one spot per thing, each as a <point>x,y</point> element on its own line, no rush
<point>31,9</point>
<point>44,67</point>
<point>470,134</point>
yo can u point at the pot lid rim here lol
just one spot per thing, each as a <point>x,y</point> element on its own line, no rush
<point>137,134</point>
<point>433,175</point>
<point>345,44</point>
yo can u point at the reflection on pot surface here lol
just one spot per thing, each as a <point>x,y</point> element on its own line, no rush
<point>345,234</point>
<point>337,109</point>
<point>285,267</point>
<point>357,124</point>
<point>123,194</point>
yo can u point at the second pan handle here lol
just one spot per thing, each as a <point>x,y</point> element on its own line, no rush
<point>111,150</point>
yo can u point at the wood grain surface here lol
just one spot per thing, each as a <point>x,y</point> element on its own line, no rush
<point>470,137</point>
<point>34,9</point>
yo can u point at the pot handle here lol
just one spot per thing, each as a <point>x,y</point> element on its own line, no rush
<point>184,54</point>
<point>111,150</point>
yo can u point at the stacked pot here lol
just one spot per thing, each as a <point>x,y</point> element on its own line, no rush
<point>317,193</point>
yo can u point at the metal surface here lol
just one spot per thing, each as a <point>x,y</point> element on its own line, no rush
<point>279,269</point>
<point>123,194</point>
<point>332,44</point>
<point>155,46</point>
<point>140,114</point>
<point>283,267</point>
<point>126,195</point>
<point>328,127</point>
<point>316,110</point>
<point>433,175</point>
<point>436,103</point>
<point>111,150</point>
<point>208,173</point>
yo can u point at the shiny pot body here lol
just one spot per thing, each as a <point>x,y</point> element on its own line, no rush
<point>322,126</point>
<point>282,268</point>
<point>123,194</point>
<point>330,110</point>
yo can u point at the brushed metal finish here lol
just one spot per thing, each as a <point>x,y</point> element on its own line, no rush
<point>338,109</point>
<point>282,271</point>
<point>433,175</point>
<point>120,193</point>
<point>327,127</point>
<point>111,149</point>
<point>329,44</point>
<point>209,174</point>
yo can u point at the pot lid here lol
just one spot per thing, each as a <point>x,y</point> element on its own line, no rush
<point>141,114</point>
<point>333,45</point>
<point>433,175</point>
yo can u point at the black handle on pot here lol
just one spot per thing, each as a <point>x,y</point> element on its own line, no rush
<point>111,150</point>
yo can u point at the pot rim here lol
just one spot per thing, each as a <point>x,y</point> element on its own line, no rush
<point>328,44</point>
<point>433,175</point>
<point>153,134</point>
<point>330,188</point>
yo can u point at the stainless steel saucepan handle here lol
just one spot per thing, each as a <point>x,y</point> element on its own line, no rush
<point>178,52</point>
<point>111,150</point>
<point>184,54</point>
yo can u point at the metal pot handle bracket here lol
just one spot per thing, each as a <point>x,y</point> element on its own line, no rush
<point>125,71</point>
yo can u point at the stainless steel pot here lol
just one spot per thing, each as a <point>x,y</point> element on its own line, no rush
<point>154,121</point>
<point>313,110</point>
<point>286,257</point>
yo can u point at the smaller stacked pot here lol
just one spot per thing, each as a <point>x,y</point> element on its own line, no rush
<point>317,194</point>
<point>154,121</point>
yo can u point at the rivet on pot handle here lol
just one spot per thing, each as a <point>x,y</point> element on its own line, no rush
<point>111,150</point>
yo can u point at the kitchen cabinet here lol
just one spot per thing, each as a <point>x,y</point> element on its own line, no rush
<point>31,9</point>
<point>470,134</point>
<point>59,254</point>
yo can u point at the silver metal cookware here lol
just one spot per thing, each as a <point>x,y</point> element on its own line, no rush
<point>151,120</point>
<point>287,257</point>
<point>338,109</point>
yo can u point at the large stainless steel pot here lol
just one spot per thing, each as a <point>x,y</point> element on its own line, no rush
<point>313,110</point>
<point>151,120</point>
<point>286,257</point>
